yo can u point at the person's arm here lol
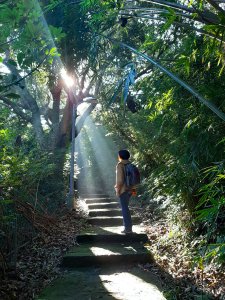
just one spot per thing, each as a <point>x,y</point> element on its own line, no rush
<point>119,178</point>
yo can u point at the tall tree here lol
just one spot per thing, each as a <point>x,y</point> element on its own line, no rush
<point>31,83</point>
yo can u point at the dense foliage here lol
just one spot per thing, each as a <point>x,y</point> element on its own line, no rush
<point>157,70</point>
<point>177,140</point>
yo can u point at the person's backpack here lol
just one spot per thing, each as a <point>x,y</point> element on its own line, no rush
<point>132,175</point>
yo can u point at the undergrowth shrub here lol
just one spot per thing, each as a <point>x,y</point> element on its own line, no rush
<point>210,213</point>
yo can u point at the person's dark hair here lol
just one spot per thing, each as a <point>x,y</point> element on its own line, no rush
<point>124,154</point>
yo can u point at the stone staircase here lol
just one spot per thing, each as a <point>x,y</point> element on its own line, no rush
<point>104,244</point>
<point>103,265</point>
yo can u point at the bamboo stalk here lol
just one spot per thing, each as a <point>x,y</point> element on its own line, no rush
<point>182,83</point>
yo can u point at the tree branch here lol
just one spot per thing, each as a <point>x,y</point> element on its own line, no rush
<point>84,116</point>
<point>15,108</point>
<point>84,74</point>
<point>180,24</point>
<point>30,102</point>
<point>10,41</point>
<point>76,76</point>
<point>205,16</point>
<point>143,72</point>
<point>22,78</point>
<point>87,90</point>
<point>209,104</point>
<point>216,6</point>
<point>170,4</point>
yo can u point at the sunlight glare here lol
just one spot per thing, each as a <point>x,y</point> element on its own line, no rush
<point>69,81</point>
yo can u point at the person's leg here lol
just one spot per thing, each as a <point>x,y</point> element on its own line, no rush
<point>124,202</point>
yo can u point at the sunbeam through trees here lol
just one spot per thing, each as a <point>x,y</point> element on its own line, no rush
<point>81,80</point>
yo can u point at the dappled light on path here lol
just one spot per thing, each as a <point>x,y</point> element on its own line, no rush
<point>102,251</point>
<point>129,283</point>
<point>103,264</point>
<point>126,286</point>
<point>117,229</point>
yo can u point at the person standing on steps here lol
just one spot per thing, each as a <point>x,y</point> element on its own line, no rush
<point>122,191</point>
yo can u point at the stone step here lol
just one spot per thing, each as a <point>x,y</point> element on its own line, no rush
<point>93,229</point>
<point>110,221</point>
<point>103,205</point>
<point>112,238</point>
<point>105,212</point>
<point>98,200</point>
<point>86,196</point>
<point>87,255</point>
<point>107,283</point>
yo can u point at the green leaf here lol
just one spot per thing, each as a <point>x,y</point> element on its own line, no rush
<point>12,62</point>
<point>27,62</point>
<point>6,201</point>
<point>53,51</point>
<point>13,95</point>
<point>201,264</point>
<point>57,33</point>
<point>20,58</point>
<point>221,70</point>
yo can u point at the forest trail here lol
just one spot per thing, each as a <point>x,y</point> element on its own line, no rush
<point>104,264</point>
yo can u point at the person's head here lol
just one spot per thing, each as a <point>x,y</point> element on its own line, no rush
<point>124,154</point>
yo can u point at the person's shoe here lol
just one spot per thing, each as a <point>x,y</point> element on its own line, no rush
<point>126,231</point>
